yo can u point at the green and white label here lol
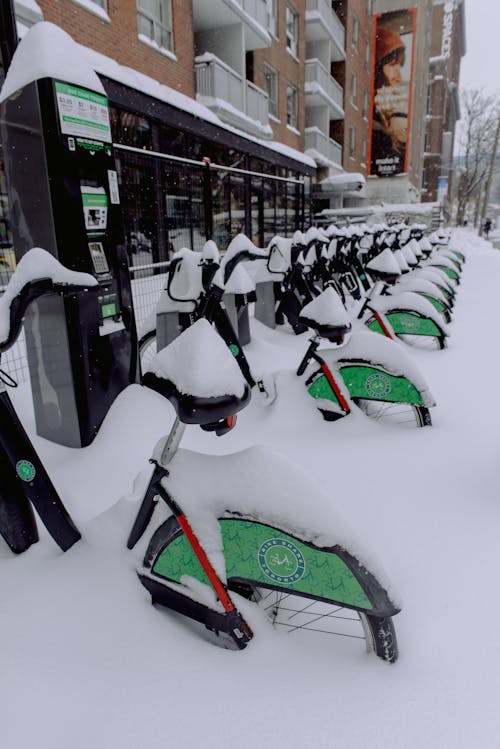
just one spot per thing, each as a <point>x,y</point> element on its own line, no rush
<point>25,470</point>
<point>95,207</point>
<point>378,385</point>
<point>281,560</point>
<point>83,113</point>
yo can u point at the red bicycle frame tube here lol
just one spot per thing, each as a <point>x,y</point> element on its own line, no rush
<point>327,372</point>
<point>209,571</point>
<point>380,321</point>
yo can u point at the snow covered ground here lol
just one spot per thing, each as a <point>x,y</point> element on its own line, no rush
<point>88,662</point>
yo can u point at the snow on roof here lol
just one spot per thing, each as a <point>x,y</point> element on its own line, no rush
<point>107,66</point>
<point>47,51</point>
<point>344,178</point>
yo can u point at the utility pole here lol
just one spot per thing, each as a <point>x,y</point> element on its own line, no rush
<point>488,181</point>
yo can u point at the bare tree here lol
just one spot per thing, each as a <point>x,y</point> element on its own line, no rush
<point>476,138</point>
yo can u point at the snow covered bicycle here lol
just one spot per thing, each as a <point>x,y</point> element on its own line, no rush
<point>342,367</point>
<point>248,524</point>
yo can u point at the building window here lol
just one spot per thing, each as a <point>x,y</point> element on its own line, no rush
<point>367,53</point>
<point>428,105</point>
<point>355,31</point>
<point>291,105</point>
<point>271,87</point>
<point>292,30</point>
<point>354,89</point>
<point>272,17</point>
<point>364,151</point>
<point>154,20</point>
<point>365,104</point>
<point>352,141</point>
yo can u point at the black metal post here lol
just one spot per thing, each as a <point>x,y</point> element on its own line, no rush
<point>9,39</point>
<point>207,200</point>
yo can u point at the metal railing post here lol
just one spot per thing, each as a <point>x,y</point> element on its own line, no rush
<point>207,200</point>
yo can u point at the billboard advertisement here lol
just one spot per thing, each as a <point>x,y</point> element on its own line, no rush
<point>394,42</point>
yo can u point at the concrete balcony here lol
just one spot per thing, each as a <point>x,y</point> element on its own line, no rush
<point>320,89</point>
<point>323,149</point>
<point>323,23</point>
<point>235,100</point>
<point>217,14</point>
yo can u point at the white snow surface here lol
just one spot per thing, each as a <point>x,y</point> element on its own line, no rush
<point>36,265</point>
<point>199,363</point>
<point>327,309</point>
<point>47,51</point>
<point>87,661</point>
<point>385,263</point>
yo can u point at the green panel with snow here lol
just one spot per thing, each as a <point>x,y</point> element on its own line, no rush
<point>371,383</point>
<point>407,323</point>
<point>439,306</point>
<point>264,555</point>
<point>321,388</point>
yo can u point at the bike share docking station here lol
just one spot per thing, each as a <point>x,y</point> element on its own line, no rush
<point>63,190</point>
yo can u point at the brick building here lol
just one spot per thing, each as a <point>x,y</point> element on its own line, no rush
<point>443,107</point>
<point>279,95</point>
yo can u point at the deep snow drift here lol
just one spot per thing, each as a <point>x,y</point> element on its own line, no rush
<point>88,662</point>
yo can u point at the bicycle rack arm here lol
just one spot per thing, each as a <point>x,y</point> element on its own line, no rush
<point>29,293</point>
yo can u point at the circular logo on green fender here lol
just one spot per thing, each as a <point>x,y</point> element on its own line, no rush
<point>25,470</point>
<point>281,561</point>
<point>410,324</point>
<point>378,385</point>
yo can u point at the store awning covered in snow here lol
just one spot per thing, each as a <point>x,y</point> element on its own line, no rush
<point>339,183</point>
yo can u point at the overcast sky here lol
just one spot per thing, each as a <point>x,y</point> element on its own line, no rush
<point>481,64</point>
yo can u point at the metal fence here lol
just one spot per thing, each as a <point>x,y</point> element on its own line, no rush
<point>169,202</point>
<point>147,282</point>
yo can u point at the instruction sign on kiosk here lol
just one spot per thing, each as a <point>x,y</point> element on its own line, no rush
<point>63,188</point>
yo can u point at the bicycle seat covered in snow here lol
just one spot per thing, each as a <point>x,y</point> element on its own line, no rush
<point>199,376</point>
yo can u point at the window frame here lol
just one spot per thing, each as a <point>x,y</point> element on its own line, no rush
<point>291,88</point>
<point>292,39</point>
<point>272,17</point>
<point>270,73</point>
<point>355,32</point>
<point>354,90</point>
<point>166,25</point>
<point>352,141</point>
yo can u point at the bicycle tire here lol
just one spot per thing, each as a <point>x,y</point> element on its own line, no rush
<point>430,343</point>
<point>313,614</point>
<point>293,613</point>
<point>147,349</point>
<point>400,414</point>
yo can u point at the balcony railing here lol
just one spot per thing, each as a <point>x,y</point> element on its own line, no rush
<point>254,9</point>
<point>235,99</point>
<point>325,146</point>
<point>320,82</point>
<point>321,14</point>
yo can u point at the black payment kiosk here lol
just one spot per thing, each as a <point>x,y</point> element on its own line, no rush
<point>63,190</point>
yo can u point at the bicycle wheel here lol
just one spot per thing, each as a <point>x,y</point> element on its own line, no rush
<point>399,414</point>
<point>147,349</point>
<point>293,613</point>
<point>429,343</point>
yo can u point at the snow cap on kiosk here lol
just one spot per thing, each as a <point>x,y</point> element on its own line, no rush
<point>47,51</point>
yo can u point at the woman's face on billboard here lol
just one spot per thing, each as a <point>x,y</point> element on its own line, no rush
<point>392,72</point>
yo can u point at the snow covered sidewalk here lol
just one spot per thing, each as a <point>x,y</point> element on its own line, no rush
<point>88,662</point>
